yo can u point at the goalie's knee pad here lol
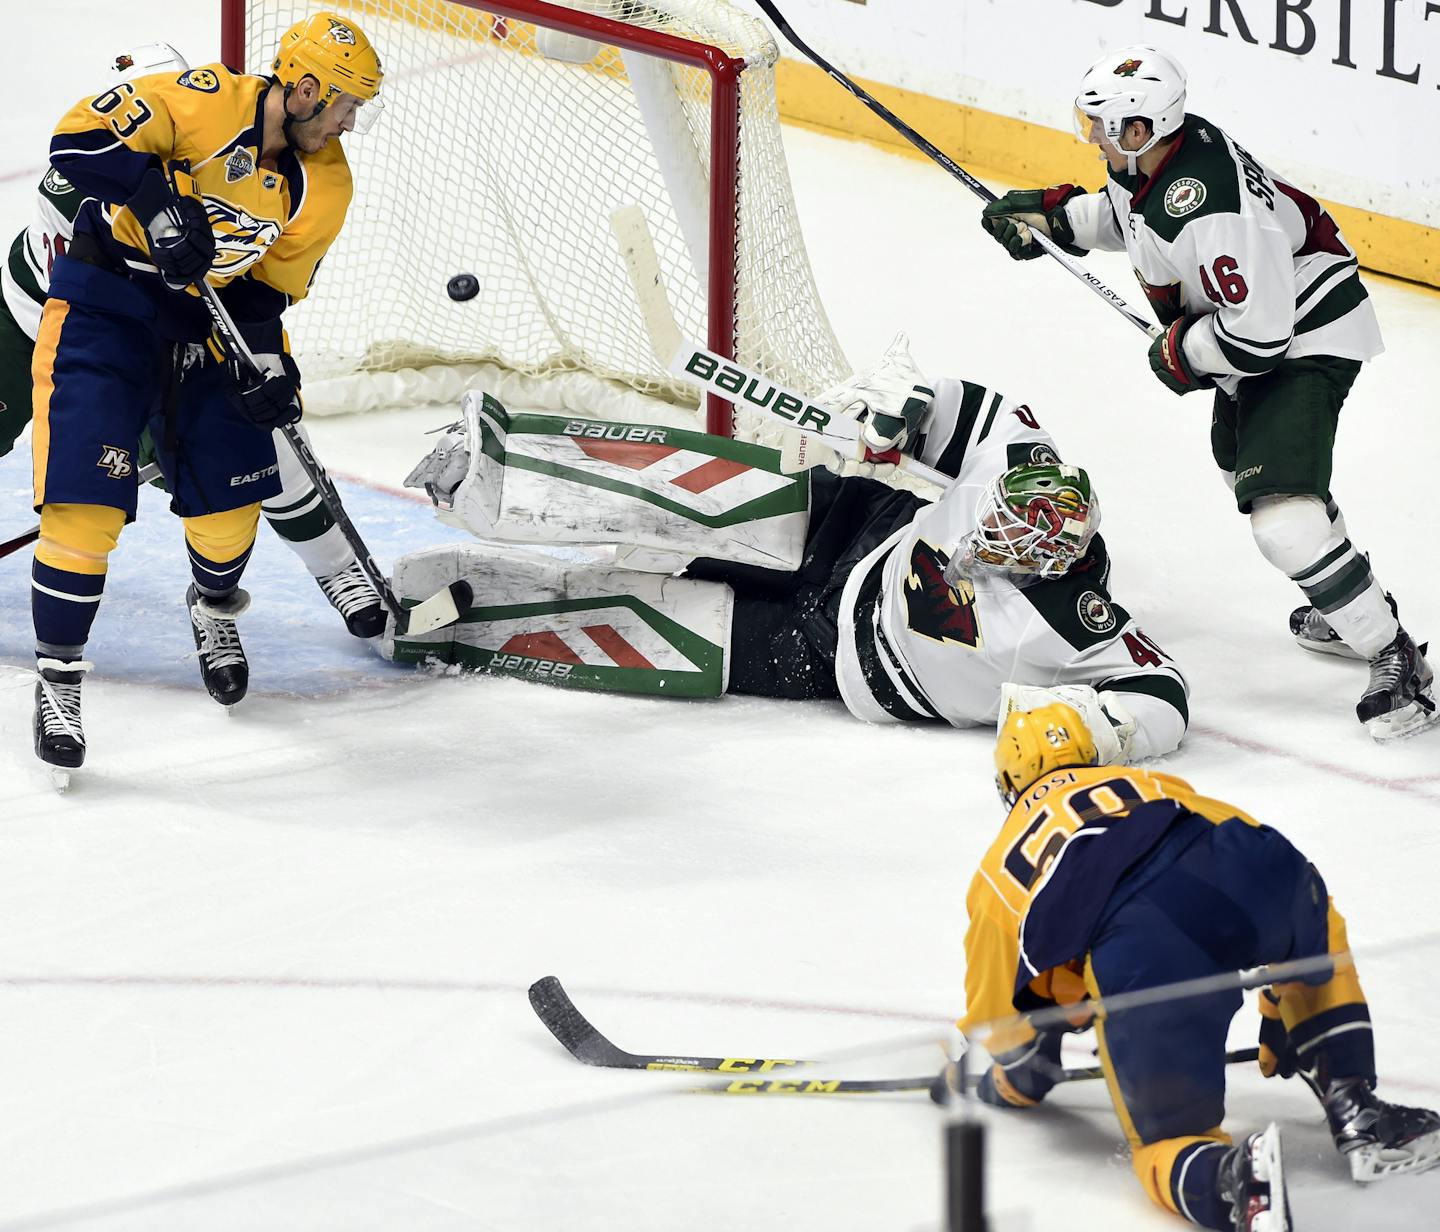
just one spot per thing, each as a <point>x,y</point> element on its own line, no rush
<point>1293,532</point>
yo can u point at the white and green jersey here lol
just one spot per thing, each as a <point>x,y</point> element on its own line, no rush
<point>25,279</point>
<point>912,647</point>
<point>1214,231</point>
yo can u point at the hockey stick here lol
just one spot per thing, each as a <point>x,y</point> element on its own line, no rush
<point>444,607</point>
<point>151,470</point>
<point>553,1006</point>
<point>934,153</point>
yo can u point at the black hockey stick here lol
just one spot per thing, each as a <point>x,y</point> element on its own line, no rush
<point>933,152</point>
<point>553,1006</point>
<point>444,607</point>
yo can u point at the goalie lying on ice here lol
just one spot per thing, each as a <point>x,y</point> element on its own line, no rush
<point>794,586</point>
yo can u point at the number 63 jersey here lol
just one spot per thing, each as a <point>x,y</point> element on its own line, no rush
<point>1215,233</point>
<point>913,647</point>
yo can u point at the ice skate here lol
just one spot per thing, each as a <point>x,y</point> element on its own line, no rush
<point>1399,700</point>
<point>1252,1180</point>
<point>351,594</point>
<point>1380,1139</point>
<point>1313,632</point>
<point>59,737</point>
<point>223,666</point>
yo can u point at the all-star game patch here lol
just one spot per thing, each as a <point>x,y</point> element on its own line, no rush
<point>1185,196</point>
<point>240,164</point>
<point>1095,612</point>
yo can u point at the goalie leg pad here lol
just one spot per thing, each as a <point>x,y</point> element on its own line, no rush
<point>549,479</point>
<point>575,624</point>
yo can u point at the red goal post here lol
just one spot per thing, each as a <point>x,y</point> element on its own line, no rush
<point>532,122</point>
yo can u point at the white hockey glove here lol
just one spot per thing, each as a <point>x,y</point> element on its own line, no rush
<point>890,400</point>
<point>802,452</point>
<point>1110,723</point>
<point>443,469</point>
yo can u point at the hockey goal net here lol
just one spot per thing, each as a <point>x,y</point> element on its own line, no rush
<point>513,133</point>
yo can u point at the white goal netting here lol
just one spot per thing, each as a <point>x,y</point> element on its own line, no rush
<point>505,148</point>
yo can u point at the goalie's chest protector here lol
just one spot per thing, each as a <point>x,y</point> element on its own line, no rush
<point>913,648</point>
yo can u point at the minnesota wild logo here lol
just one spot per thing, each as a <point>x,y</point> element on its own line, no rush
<point>934,608</point>
<point>1128,69</point>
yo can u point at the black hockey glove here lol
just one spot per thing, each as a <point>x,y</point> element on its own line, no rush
<point>269,398</point>
<point>1023,1076</point>
<point>1167,359</point>
<point>182,243</point>
<point>1012,218</point>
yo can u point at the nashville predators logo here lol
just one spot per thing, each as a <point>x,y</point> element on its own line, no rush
<point>115,461</point>
<point>241,239</point>
<point>341,33</point>
<point>202,79</point>
<point>1128,69</point>
<point>934,608</point>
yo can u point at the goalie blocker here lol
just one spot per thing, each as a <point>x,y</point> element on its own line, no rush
<point>795,587</point>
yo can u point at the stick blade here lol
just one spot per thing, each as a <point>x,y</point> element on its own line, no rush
<point>442,608</point>
<point>552,1005</point>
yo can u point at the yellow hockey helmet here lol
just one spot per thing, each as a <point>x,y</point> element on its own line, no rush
<point>332,50</point>
<point>1032,743</point>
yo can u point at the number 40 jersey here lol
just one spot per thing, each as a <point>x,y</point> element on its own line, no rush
<point>914,647</point>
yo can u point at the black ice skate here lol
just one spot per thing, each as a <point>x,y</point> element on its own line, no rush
<point>1313,632</point>
<point>1400,699</point>
<point>1380,1139</point>
<point>223,666</point>
<point>1252,1181</point>
<point>59,738</point>
<point>351,594</point>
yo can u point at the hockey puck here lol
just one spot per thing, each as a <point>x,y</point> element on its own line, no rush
<point>463,287</point>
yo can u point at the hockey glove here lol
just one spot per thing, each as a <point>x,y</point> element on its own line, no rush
<point>890,400</point>
<point>1012,218</point>
<point>182,243</point>
<point>1023,1077</point>
<point>1167,359</point>
<point>1277,1053</point>
<point>269,398</point>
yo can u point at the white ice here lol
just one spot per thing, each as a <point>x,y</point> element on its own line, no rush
<point>267,969</point>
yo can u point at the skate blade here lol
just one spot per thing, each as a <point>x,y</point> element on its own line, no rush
<point>1402,724</point>
<point>59,778</point>
<point>1336,650</point>
<point>1375,1163</point>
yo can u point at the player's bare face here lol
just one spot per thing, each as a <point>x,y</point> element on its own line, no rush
<point>314,134</point>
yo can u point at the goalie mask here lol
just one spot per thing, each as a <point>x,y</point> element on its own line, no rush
<point>1032,743</point>
<point>1135,82</point>
<point>1034,520</point>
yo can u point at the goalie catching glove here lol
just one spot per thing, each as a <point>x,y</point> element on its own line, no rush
<point>1013,218</point>
<point>891,400</point>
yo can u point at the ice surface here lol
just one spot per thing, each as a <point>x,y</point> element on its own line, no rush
<point>267,969</point>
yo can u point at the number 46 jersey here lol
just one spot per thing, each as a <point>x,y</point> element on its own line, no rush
<point>1214,232</point>
<point>914,647</point>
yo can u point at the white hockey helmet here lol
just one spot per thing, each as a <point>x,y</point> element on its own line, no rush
<point>148,58</point>
<point>1132,82</point>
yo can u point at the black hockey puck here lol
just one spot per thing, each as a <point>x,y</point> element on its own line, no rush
<point>463,287</point>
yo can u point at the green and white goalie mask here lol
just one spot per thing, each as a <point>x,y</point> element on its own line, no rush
<point>672,493</point>
<point>557,619</point>
<point>1031,521</point>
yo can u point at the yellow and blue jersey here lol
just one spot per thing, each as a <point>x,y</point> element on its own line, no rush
<point>1047,879</point>
<point>273,222</point>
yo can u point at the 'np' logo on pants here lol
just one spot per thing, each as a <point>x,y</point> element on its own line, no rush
<point>116,461</point>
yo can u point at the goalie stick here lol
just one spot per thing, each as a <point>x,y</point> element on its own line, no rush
<point>553,1006</point>
<point>815,436</point>
<point>444,607</point>
<point>933,152</point>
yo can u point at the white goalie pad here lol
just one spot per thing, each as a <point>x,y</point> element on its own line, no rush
<point>570,623</point>
<point>677,493</point>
